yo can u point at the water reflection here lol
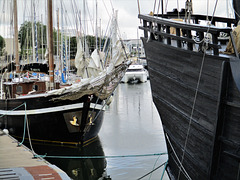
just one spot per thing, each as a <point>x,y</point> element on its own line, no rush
<point>81,169</point>
<point>131,126</point>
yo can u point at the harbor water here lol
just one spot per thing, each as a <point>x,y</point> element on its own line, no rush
<point>129,143</point>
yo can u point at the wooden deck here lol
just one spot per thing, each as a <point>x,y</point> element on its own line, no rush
<point>18,162</point>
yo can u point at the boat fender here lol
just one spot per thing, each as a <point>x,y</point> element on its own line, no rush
<point>5,131</point>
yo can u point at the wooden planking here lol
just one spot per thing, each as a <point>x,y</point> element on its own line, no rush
<point>173,82</point>
<point>17,162</point>
<point>179,88</point>
<point>176,121</point>
<point>13,156</point>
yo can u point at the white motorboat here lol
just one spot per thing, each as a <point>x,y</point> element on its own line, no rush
<point>135,73</point>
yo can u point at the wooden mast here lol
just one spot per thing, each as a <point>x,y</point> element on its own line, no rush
<point>50,45</point>
<point>16,37</point>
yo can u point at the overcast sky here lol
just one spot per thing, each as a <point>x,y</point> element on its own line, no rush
<point>127,12</point>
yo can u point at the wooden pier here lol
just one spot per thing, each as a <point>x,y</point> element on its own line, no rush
<point>19,162</point>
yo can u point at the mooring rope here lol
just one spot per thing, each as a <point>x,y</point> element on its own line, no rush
<point>154,167</point>
<point>25,120</point>
<point>164,170</point>
<point>101,157</point>
<point>153,170</point>
<point>13,109</point>
<point>24,125</point>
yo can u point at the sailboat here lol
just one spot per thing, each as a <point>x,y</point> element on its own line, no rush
<point>35,107</point>
<point>195,82</point>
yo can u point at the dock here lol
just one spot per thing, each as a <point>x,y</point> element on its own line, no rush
<point>18,162</point>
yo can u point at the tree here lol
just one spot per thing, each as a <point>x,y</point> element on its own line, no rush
<point>2,45</point>
<point>73,47</point>
<point>91,41</point>
<point>25,37</point>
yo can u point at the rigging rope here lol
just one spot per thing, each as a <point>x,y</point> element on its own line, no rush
<point>195,96</point>
<point>174,152</point>
<point>154,6</point>
<point>106,101</point>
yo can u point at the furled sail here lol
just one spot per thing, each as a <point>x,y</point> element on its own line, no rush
<point>81,61</point>
<point>88,67</point>
<point>118,54</point>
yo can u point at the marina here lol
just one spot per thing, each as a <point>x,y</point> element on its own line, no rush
<point>79,100</point>
<point>130,144</point>
<point>57,108</point>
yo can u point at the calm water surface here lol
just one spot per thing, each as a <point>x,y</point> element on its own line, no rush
<point>131,126</point>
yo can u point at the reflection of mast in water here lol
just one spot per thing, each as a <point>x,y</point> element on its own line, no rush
<point>77,168</point>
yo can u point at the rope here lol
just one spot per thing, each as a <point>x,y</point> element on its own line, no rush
<point>87,127</point>
<point>101,157</point>
<point>186,174</point>
<point>164,170</point>
<point>13,109</point>
<point>152,170</point>
<point>195,97</point>
<point>29,138</point>
<point>154,166</point>
<point>24,126</point>
<point>25,121</point>
<point>154,7</point>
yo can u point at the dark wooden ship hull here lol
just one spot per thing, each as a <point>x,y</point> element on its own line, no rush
<point>198,100</point>
<point>50,121</point>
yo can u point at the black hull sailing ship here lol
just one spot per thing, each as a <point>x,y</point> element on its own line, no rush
<point>33,106</point>
<point>64,121</point>
<point>195,87</point>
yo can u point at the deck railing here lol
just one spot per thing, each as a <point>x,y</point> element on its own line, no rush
<point>160,29</point>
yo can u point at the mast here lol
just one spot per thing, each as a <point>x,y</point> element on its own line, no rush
<point>16,37</point>
<point>63,54</point>
<point>96,26</point>
<point>42,35</point>
<point>58,47</point>
<point>33,32</point>
<point>162,8</point>
<point>50,44</point>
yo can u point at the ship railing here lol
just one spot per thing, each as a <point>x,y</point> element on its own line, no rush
<point>166,30</point>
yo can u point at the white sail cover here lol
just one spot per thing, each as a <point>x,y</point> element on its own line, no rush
<point>118,54</point>
<point>88,67</point>
<point>81,62</point>
<point>98,77</point>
